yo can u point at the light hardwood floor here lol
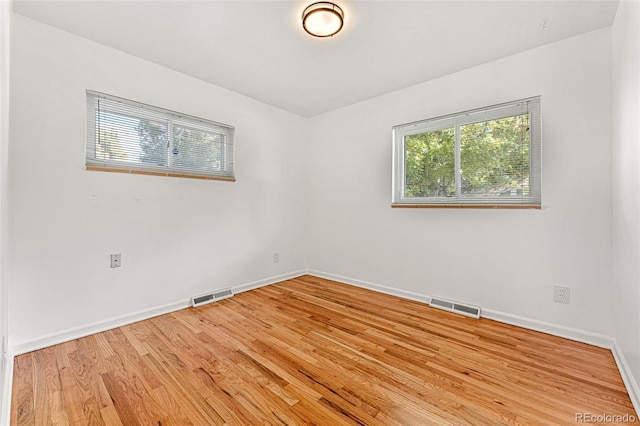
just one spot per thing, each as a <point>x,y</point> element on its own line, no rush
<point>313,351</point>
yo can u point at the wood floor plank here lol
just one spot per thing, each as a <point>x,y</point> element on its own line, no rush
<point>188,403</point>
<point>110,416</point>
<point>23,404</point>
<point>58,413</point>
<point>312,351</point>
<point>42,409</point>
<point>71,401</point>
<point>85,389</point>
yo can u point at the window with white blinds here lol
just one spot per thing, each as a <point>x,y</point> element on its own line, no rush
<point>132,137</point>
<point>483,157</point>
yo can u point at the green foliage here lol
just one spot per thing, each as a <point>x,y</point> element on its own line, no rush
<point>153,142</point>
<point>494,160</point>
<point>197,150</point>
<point>108,146</point>
<point>193,149</point>
<point>494,157</point>
<point>430,164</point>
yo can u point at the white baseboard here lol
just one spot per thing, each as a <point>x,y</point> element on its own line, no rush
<point>578,335</point>
<point>7,385</point>
<point>627,377</point>
<point>528,323</point>
<point>583,336</point>
<point>370,286</point>
<point>97,327</point>
<point>268,281</point>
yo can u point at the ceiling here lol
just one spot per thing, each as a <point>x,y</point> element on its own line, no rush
<point>259,49</point>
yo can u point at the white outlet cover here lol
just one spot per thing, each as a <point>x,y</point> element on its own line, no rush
<point>561,294</point>
<point>116,260</point>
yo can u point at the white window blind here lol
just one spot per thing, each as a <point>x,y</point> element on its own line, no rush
<point>485,156</point>
<point>139,138</point>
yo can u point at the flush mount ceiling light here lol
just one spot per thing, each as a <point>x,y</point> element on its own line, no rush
<point>322,19</point>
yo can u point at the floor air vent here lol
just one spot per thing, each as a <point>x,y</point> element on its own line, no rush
<point>203,299</point>
<point>459,308</point>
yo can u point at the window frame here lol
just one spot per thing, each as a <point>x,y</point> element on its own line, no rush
<point>529,106</point>
<point>172,118</point>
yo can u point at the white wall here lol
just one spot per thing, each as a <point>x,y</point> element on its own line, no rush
<point>178,237</point>
<point>504,260</point>
<point>332,212</point>
<point>5,28</point>
<point>626,182</point>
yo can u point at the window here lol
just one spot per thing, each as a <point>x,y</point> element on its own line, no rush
<point>485,157</point>
<point>131,137</point>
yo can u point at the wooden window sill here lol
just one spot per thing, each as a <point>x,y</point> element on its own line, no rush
<point>158,173</point>
<point>466,206</point>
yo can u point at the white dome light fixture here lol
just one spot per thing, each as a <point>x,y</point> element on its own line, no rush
<point>323,19</point>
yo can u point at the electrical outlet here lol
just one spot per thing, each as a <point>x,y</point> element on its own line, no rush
<point>561,294</point>
<point>116,260</point>
<point>276,257</point>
